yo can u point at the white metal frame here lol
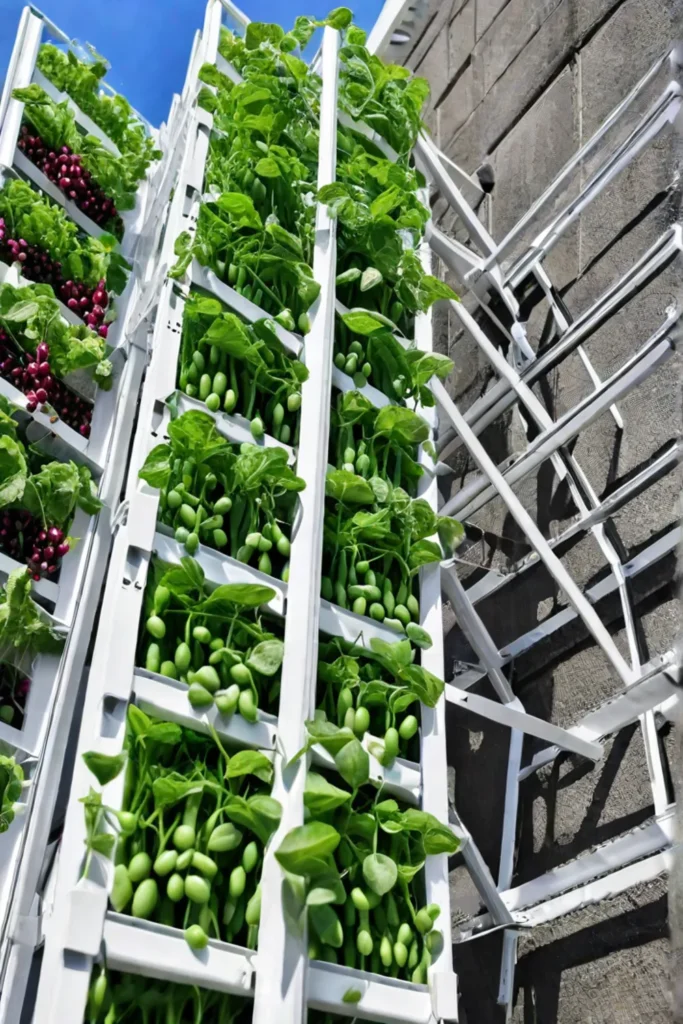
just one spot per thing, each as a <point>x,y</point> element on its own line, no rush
<point>644,688</point>
<point>75,598</point>
<point>77,924</point>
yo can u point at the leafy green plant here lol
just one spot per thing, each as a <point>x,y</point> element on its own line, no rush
<point>240,368</point>
<point>229,497</point>
<point>30,315</point>
<point>376,539</point>
<point>365,856</point>
<point>117,998</point>
<point>11,784</point>
<point>24,629</point>
<point>114,114</point>
<point>212,640</point>
<point>190,836</point>
<point>56,126</point>
<point>29,215</point>
<point>368,691</point>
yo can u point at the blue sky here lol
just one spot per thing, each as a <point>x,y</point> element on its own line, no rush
<point>148,42</point>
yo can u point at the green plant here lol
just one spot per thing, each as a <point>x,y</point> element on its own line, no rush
<point>190,836</point>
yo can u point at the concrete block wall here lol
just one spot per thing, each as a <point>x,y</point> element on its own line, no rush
<point>521,85</point>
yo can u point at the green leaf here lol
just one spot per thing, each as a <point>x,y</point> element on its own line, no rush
<point>427,686</point>
<point>267,168</point>
<point>239,208</point>
<point>259,32</point>
<point>349,276</point>
<point>104,767</point>
<point>348,487</point>
<point>138,721</point>
<point>328,735</point>
<point>320,796</point>
<point>362,322</point>
<point>304,847</point>
<point>380,873</point>
<point>266,657</point>
<point>13,470</point>
<point>156,470</point>
<point>424,552</point>
<point>451,534</point>
<point>432,290</point>
<point>418,636</point>
<point>339,18</point>
<point>326,924</point>
<point>370,279</point>
<point>21,312</point>
<point>401,424</point>
<point>395,656</point>
<point>353,764</point>
<point>250,762</point>
<point>386,202</point>
<point>352,995</point>
<point>102,842</point>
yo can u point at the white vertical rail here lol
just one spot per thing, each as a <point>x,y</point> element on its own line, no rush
<point>433,720</point>
<point>282,956</point>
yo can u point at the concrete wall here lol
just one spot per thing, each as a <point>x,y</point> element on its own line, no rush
<point>521,84</point>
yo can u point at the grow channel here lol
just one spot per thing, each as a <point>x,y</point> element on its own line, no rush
<point>70,372</point>
<point>261,790</point>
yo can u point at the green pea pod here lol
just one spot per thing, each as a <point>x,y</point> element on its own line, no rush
<point>199,361</point>
<point>408,727</point>
<point>202,634</point>
<point>349,914</point>
<point>192,543</point>
<point>197,889</point>
<point>208,677</point>
<point>356,347</point>
<point>174,499</point>
<point>247,706</point>
<point>351,364</point>
<point>145,899</point>
<point>122,889</point>
<point>360,606</point>
<point>153,658</point>
<point>413,607</point>
<point>175,888</point>
<point>391,741</point>
<point>250,856</point>
<point>377,611</point>
<point>326,588</point>
<point>191,390</point>
<point>393,919</point>
<point>181,535</point>
<point>366,370</point>
<point>224,838</point>
<point>213,402</point>
<point>244,553</point>
<point>405,935</point>
<point>343,569</point>
<point>168,670</point>
<point>156,626</point>
<point>402,614</point>
<point>363,464</point>
<point>304,323</point>
<point>97,994</point>
<point>400,954</point>
<point>362,721</point>
<point>284,546</point>
<point>184,839</point>
<point>254,539</point>
<point>192,375</point>
<point>265,544</point>
<point>371,579</point>
<point>233,272</point>
<point>182,658</point>
<point>278,414</point>
<point>386,953</point>
<point>340,360</point>
<point>413,956</point>
<point>241,674</point>
<point>165,863</point>
<point>402,594</point>
<point>188,516</point>
<point>253,912</point>
<point>222,506</point>
<point>362,568</point>
<point>199,696</point>
<point>230,400</point>
<point>205,865</point>
<point>364,943</point>
<point>340,594</point>
<point>360,900</point>
<point>204,386</point>
<point>257,428</point>
<point>423,921</point>
<point>286,320</point>
<point>349,454</point>
<point>226,700</point>
<point>388,599</point>
<point>238,882</point>
<point>344,702</point>
<point>220,384</point>
<point>196,937</point>
<point>365,590</point>
<point>395,624</point>
<point>433,909</point>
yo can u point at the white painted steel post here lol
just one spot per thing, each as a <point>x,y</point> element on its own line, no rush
<point>282,955</point>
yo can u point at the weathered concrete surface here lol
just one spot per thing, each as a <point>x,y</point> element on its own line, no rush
<point>525,84</point>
